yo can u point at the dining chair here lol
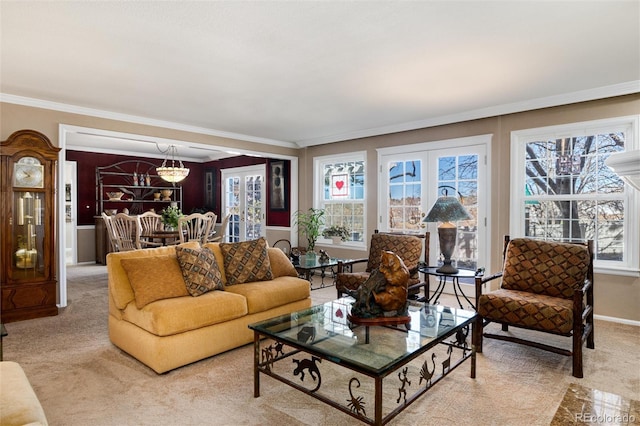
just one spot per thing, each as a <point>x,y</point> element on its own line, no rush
<point>126,230</point>
<point>224,230</point>
<point>149,223</point>
<point>195,227</point>
<point>110,232</point>
<point>212,231</point>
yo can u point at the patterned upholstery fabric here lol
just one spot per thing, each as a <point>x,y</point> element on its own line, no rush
<point>246,262</point>
<point>408,247</point>
<point>543,267</point>
<point>199,270</point>
<point>538,283</point>
<point>535,311</point>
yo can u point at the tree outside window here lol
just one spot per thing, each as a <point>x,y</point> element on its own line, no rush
<point>569,194</point>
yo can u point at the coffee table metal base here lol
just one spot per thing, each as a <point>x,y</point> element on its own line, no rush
<point>266,357</point>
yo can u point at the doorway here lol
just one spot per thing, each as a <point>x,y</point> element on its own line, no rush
<point>243,197</point>
<point>414,176</point>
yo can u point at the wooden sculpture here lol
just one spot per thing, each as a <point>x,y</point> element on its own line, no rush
<point>384,294</point>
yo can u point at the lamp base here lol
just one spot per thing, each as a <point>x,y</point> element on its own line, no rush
<point>447,233</point>
<point>447,268</point>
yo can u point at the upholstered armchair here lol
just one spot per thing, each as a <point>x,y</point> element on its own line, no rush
<point>547,287</point>
<point>408,247</point>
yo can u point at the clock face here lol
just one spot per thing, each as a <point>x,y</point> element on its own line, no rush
<point>28,173</point>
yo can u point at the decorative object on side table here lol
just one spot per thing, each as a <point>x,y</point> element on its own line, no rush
<point>170,216</point>
<point>447,210</point>
<point>309,224</point>
<point>382,299</point>
<point>324,257</point>
<point>337,233</point>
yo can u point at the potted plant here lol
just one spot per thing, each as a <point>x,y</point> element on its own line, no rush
<point>309,224</point>
<point>337,233</point>
<point>170,216</point>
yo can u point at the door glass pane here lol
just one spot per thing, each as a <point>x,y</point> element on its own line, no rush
<point>253,210</point>
<point>405,195</point>
<point>232,203</point>
<point>458,177</point>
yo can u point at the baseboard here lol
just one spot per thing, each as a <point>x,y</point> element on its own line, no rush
<point>618,320</point>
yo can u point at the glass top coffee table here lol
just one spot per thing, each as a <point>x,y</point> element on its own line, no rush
<point>305,266</point>
<point>310,350</point>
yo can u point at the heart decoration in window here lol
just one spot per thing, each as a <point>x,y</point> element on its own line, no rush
<point>339,186</point>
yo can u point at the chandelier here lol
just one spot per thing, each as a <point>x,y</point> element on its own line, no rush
<point>172,173</point>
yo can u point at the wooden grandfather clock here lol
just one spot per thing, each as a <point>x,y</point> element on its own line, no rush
<point>28,276</point>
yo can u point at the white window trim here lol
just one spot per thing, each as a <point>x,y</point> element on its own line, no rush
<point>628,124</point>
<point>318,189</point>
<point>484,139</point>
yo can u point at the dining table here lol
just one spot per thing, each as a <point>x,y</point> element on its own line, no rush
<point>165,237</point>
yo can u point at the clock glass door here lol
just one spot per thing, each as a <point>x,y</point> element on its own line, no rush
<point>28,234</point>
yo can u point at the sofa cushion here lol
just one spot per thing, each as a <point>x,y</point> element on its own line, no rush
<point>246,262</point>
<point>262,296</point>
<point>172,316</point>
<point>119,285</point>
<point>154,278</point>
<point>281,266</point>
<point>215,248</point>
<point>199,269</point>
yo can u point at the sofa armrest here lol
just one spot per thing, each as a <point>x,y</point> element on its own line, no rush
<point>20,405</point>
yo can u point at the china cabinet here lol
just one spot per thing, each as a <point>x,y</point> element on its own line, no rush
<point>134,185</point>
<point>28,275</point>
<point>130,186</point>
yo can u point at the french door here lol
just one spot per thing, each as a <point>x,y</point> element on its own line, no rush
<point>411,182</point>
<point>243,195</point>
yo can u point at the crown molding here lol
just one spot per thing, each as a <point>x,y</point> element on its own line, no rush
<point>538,103</point>
<point>550,101</point>
<point>92,112</point>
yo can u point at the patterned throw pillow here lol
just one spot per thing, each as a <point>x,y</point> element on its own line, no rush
<point>199,270</point>
<point>246,262</point>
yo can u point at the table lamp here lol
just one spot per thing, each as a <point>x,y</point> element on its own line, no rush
<point>447,210</point>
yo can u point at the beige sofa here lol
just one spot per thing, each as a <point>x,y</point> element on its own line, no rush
<point>180,329</point>
<point>19,404</point>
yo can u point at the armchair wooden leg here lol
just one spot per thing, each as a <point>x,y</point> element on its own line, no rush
<point>476,337</point>
<point>505,327</point>
<point>577,356</point>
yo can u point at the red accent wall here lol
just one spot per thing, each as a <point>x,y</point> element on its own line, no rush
<point>193,186</point>
<point>274,217</point>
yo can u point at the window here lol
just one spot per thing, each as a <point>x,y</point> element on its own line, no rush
<point>342,196</point>
<point>563,191</point>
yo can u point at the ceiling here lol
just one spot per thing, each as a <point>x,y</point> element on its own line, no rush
<point>301,73</point>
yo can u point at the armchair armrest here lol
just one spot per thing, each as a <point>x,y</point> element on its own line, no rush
<point>349,263</point>
<point>482,280</point>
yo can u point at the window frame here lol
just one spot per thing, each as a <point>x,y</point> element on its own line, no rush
<point>630,265</point>
<point>318,192</point>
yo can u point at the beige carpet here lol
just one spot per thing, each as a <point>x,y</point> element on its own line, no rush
<point>82,379</point>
